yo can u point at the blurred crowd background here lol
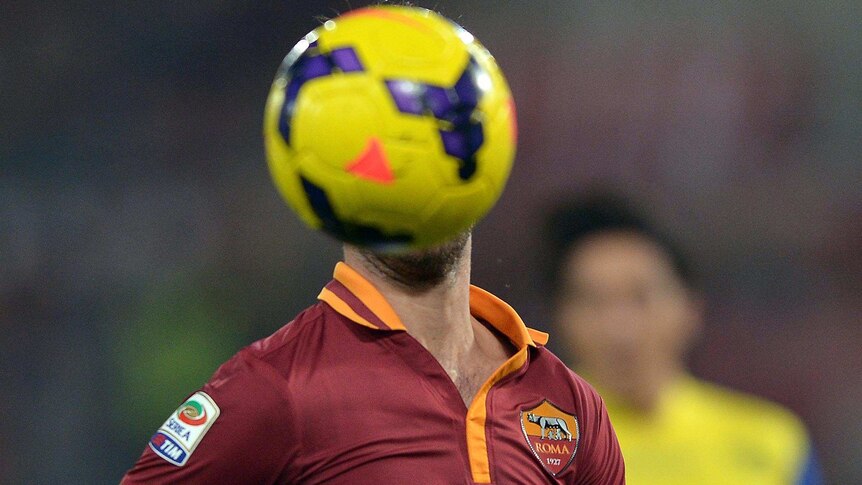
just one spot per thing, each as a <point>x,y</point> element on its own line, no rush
<point>142,243</point>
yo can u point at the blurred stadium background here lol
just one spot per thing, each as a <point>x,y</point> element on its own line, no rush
<point>142,243</point>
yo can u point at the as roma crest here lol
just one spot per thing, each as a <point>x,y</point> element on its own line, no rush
<point>552,435</point>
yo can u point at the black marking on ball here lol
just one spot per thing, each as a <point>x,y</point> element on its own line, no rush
<point>359,234</point>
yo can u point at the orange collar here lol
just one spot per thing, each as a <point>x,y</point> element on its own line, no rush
<point>356,298</point>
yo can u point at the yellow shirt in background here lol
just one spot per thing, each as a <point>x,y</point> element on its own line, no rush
<point>704,434</point>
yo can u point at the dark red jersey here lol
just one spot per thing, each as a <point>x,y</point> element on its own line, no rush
<point>345,395</point>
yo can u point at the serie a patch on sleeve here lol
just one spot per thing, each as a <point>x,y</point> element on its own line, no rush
<point>177,439</point>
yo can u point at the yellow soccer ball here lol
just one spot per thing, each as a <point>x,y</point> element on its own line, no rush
<point>390,127</point>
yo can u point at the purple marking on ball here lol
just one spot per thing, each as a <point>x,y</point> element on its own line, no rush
<point>312,67</point>
<point>464,141</point>
<point>460,116</point>
<point>346,60</point>
<point>437,99</point>
<point>293,89</point>
<point>302,70</point>
<point>407,96</point>
<point>284,120</point>
<point>475,137</point>
<point>455,144</point>
<point>466,88</point>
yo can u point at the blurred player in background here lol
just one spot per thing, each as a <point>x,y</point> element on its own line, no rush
<point>628,309</point>
<point>403,372</point>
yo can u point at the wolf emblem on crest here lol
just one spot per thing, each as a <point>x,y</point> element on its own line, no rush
<point>555,427</point>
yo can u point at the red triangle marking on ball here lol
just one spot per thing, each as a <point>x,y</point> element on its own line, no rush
<point>372,164</point>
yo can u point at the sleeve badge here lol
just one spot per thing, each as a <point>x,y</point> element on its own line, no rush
<point>177,439</point>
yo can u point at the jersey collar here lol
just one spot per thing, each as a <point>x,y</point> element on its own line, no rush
<point>357,299</point>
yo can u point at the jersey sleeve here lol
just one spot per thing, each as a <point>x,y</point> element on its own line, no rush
<point>247,441</point>
<point>604,458</point>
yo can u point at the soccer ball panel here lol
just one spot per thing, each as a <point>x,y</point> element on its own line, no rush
<point>397,42</point>
<point>335,116</point>
<point>464,204</point>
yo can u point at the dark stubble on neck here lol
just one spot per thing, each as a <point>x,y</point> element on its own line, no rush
<point>420,270</point>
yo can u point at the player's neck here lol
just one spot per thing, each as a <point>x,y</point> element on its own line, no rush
<point>438,316</point>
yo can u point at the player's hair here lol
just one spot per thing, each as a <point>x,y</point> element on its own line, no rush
<point>601,211</point>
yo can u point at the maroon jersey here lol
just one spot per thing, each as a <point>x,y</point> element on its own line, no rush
<point>345,395</point>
